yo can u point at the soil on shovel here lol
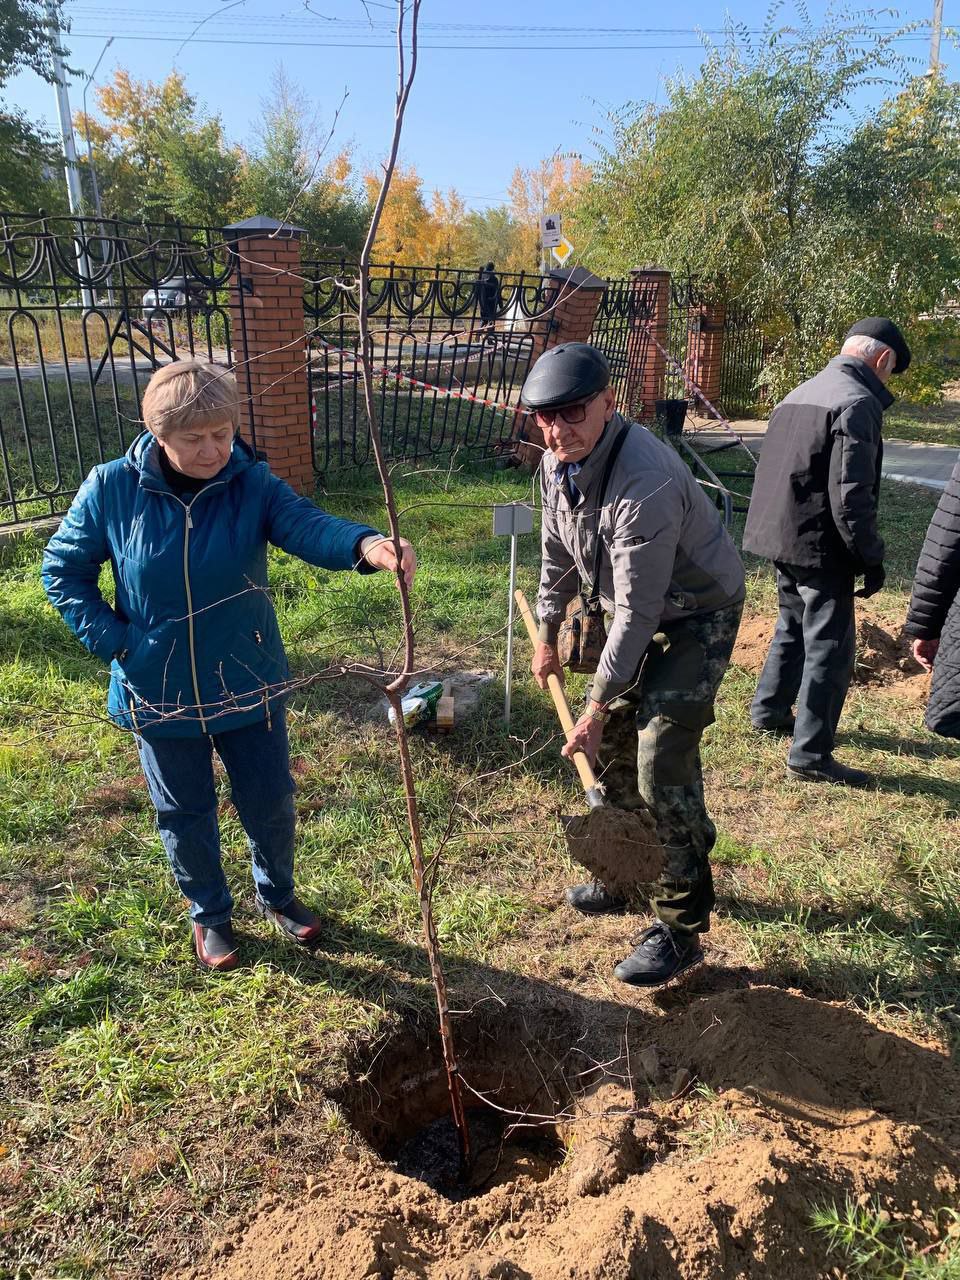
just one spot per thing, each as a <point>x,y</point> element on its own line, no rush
<point>618,847</point>
<point>696,1143</point>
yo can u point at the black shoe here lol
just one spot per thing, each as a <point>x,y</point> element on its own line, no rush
<point>661,956</point>
<point>215,947</point>
<point>830,770</point>
<point>295,920</point>
<point>776,728</point>
<point>594,899</point>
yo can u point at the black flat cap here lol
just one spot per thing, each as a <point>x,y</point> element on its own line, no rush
<point>573,371</point>
<point>884,330</point>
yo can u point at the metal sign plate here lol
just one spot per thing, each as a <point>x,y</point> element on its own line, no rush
<point>512,517</point>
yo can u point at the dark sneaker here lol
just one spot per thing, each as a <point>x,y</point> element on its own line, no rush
<point>295,920</point>
<point>776,728</point>
<point>661,956</point>
<point>215,946</point>
<point>830,771</point>
<point>594,899</point>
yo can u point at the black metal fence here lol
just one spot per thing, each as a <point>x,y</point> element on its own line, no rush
<point>743,344</point>
<point>451,352</point>
<point>622,331</point>
<point>744,356</point>
<point>88,309</point>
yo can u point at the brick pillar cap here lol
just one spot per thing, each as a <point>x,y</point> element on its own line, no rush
<point>260,226</point>
<point>579,277</point>
<point>649,270</point>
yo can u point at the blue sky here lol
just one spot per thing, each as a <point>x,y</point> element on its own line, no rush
<point>476,111</point>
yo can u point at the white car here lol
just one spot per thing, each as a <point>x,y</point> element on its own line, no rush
<point>172,295</point>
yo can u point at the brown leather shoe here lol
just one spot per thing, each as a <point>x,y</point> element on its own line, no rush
<point>295,920</point>
<point>215,946</point>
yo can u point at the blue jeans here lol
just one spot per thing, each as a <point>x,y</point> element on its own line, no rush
<point>179,774</point>
<point>810,660</point>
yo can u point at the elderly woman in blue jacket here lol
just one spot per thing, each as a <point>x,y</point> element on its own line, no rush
<point>197,664</point>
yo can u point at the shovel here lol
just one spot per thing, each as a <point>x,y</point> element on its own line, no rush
<point>619,847</point>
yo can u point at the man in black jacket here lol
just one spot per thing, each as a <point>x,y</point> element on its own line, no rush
<point>488,290</point>
<point>814,514</point>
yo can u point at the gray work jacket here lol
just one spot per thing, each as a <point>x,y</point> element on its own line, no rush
<point>665,554</point>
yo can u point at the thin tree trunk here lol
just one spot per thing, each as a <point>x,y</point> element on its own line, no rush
<point>394,690</point>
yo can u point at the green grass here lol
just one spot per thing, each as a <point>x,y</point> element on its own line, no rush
<point>873,1247</point>
<point>133,1082</point>
<point>928,424</point>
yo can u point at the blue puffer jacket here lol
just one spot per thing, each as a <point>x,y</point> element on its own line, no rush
<point>193,625</point>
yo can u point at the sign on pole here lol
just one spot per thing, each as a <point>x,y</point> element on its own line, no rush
<point>550,233</point>
<point>510,519</point>
<point>563,250</point>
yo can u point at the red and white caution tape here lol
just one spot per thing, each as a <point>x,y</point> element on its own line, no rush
<point>689,383</point>
<point>427,386</point>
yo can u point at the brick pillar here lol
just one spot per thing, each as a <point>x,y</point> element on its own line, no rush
<point>649,317</point>
<point>573,299</point>
<point>266,318</point>
<point>705,348</point>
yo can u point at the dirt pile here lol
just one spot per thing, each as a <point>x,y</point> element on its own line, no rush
<point>699,1157</point>
<point>884,658</point>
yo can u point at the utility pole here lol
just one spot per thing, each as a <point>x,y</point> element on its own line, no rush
<point>92,167</point>
<point>935,37</point>
<point>74,194</point>
<point>86,126</point>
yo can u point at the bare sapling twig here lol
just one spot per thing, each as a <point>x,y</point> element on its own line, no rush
<point>408,15</point>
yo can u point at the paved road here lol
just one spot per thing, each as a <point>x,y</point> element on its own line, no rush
<point>927,464</point>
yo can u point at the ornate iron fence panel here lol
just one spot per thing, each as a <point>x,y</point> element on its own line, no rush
<point>451,352</point>
<point>622,331</point>
<point>744,355</point>
<point>88,309</point>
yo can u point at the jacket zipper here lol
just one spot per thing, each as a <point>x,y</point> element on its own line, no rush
<point>190,635</point>
<point>188,525</point>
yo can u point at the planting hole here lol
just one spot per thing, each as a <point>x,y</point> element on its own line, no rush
<point>518,1072</point>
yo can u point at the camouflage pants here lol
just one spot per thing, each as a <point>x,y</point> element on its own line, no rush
<point>650,756</point>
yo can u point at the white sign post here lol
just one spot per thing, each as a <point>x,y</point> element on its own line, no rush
<point>510,519</point>
<point>550,231</point>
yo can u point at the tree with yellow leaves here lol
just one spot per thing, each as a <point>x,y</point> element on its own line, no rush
<point>554,186</point>
<point>158,155</point>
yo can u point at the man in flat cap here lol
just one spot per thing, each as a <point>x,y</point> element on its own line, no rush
<point>623,511</point>
<point>814,514</point>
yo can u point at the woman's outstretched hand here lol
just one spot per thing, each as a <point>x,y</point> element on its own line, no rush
<point>383,555</point>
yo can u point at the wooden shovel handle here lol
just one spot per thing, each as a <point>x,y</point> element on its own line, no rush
<point>587,776</point>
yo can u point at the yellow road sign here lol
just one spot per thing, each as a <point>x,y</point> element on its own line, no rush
<point>562,251</point>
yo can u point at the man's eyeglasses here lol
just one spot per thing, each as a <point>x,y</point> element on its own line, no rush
<point>571,414</point>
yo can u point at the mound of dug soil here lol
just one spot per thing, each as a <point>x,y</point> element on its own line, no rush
<point>699,1157</point>
<point>884,658</point>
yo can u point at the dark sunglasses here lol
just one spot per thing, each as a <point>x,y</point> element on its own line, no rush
<point>571,414</point>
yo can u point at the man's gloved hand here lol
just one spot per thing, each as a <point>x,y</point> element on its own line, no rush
<point>873,580</point>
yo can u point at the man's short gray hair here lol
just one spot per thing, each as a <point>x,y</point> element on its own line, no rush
<point>863,346</point>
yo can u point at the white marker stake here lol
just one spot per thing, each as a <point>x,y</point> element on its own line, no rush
<point>511,518</point>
